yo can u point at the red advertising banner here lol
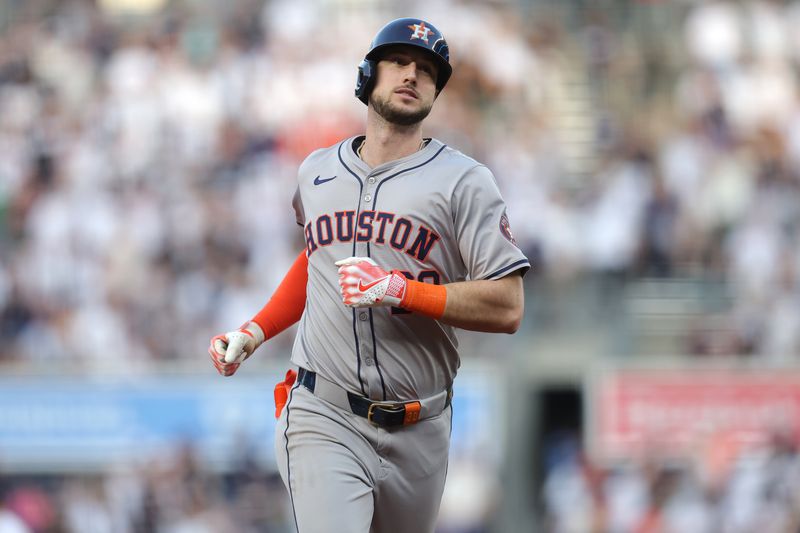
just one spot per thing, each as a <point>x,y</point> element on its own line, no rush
<point>680,412</point>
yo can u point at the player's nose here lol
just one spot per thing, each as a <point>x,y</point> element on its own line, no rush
<point>411,72</point>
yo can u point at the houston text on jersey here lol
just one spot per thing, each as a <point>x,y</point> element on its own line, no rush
<point>378,227</point>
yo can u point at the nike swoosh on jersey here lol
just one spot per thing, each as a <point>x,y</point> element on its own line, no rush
<point>368,286</point>
<point>318,181</point>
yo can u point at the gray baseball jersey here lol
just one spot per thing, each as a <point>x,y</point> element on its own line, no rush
<point>438,217</point>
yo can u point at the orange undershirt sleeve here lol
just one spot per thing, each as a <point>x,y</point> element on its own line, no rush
<point>287,302</point>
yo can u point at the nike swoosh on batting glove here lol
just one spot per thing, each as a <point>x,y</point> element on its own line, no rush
<point>364,284</point>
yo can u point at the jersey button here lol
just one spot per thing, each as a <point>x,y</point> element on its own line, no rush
<point>368,361</point>
<point>368,198</point>
<point>362,316</point>
<point>371,179</point>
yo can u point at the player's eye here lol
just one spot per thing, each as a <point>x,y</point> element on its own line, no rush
<point>398,60</point>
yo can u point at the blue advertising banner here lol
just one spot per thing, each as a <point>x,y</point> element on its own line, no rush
<point>63,424</point>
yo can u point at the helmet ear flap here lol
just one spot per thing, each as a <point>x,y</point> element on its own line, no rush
<point>365,79</point>
<point>440,47</point>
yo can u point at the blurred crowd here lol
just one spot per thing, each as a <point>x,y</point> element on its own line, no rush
<point>147,165</point>
<point>173,494</point>
<point>750,490</point>
<point>147,162</point>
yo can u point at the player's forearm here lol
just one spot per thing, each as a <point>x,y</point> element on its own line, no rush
<point>286,305</point>
<point>492,306</point>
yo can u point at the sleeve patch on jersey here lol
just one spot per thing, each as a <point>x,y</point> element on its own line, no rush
<point>505,229</point>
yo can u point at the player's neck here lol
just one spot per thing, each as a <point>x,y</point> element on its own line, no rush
<point>388,142</point>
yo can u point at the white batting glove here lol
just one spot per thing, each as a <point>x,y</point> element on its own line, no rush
<point>365,284</point>
<point>229,350</point>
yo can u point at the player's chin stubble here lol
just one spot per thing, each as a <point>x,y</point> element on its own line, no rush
<point>394,115</point>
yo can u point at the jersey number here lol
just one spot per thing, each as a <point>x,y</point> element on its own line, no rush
<point>425,276</point>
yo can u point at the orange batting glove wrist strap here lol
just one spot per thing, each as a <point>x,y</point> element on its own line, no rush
<point>425,298</point>
<point>287,303</point>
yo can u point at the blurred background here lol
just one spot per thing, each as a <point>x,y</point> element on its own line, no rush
<point>649,152</point>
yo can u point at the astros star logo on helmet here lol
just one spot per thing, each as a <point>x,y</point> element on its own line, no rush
<point>420,31</point>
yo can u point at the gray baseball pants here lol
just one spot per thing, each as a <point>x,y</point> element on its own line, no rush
<point>346,475</point>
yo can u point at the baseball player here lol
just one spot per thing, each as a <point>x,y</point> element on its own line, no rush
<point>406,239</point>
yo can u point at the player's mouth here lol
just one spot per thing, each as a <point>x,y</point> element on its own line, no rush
<point>407,91</point>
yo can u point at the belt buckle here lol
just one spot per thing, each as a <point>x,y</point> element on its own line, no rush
<point>382,405</point>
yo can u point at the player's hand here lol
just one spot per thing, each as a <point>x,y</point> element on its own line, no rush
<point>365,284</point>
<point>229,350</point>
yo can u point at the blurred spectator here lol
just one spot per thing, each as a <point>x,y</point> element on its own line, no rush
<point>714,34</point>
<point>33,506</point>
<point>658,246</point>
<point>10,523</point>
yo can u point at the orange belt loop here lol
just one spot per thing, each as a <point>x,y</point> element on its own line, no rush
<point>282,391</point>
<point>412,413</point>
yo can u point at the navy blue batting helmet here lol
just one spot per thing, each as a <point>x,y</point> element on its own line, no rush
<point>412,32</point>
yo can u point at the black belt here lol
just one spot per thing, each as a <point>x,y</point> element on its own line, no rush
<point>384,414</point>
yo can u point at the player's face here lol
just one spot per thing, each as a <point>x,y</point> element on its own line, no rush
<point>406,86</point>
